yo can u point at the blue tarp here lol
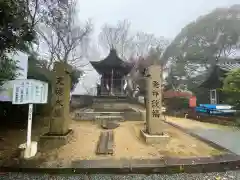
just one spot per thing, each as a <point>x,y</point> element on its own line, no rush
<point>214,109</point>
<point>216,106</point>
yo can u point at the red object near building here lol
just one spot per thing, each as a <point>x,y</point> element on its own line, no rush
<point>192,102</point>
<point>172,94</point>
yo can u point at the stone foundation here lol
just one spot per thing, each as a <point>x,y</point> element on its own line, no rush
<point>130,116</point>
<point>52,141</point>
<point>155,139</point>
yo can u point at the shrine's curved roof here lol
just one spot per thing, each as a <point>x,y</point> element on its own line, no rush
<point>112,61</point>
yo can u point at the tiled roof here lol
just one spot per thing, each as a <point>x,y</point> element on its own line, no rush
<point>229,66</point>
<point>225,66</point>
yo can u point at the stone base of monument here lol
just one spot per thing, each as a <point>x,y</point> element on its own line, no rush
<point>155,139</point>
<point>52,141</point>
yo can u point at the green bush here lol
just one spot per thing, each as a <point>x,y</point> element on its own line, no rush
<point>176,103</point>
<point>13,114</point>
<point>231,88</point>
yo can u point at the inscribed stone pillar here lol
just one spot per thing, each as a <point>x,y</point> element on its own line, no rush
<point>61,95</point>
<point>154,100</point>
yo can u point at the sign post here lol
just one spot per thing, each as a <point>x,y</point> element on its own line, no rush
<point>29,127</point>
<point>29,91</point>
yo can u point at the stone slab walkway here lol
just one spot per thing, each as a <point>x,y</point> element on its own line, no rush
<point>227,137</point>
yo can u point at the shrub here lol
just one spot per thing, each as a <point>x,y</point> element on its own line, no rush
<point>13,114</point>
<point>231,88</point>
<point>176,103</point>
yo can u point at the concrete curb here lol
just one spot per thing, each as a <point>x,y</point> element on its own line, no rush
<point>163,166</point>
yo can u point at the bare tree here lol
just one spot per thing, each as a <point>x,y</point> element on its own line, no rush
<point>117,37</point>
<point>59,35</point>
<point>153,56</point>
<point>144,42</point>
<point>34,8</point>
<point>144,46</point>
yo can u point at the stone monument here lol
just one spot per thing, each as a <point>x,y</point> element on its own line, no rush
<point>59,123</point>
<point>61,96</point>
<point>154,117</point>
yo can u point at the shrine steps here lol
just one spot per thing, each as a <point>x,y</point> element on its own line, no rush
<point>109,107</point>
<point>122,116</point>
<point>115,99</point>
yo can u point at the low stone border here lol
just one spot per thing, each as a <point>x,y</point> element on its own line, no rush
<point>48,141</point>
<point>166,165</point>
<point>215,119</point>
<point>221,120</point>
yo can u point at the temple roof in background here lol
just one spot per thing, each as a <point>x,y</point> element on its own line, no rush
<point>112,61</point>
<point>217,73</point>
<point>229,66</point>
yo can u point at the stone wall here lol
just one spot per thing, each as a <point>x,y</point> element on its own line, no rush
<point>139,101</point>
<point>81,101</point>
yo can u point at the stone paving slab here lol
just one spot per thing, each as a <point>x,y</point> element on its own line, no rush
<point>105,143</point>
<point>228,138</point>
<point>201,138</point>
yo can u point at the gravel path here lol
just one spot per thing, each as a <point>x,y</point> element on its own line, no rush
<point>230,175</point>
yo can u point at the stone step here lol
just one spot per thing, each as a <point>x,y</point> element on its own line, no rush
<point>105,143</point>
<point>99,112</point>
<point>109,118</point>
<point>110,125</point>
<point>93,115</point>
<point>104,112</point>
<point>110,99</point>
<point>121,116</point>
<point>104,121</point>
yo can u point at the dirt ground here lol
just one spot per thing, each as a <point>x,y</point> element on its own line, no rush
<point>11,138</point>
<point>128,144</point>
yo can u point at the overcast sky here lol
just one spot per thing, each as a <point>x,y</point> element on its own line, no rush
<point>160,17</point>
